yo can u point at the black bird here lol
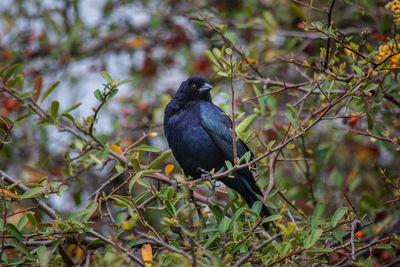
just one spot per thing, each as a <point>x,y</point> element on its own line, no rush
<point>200,137</point>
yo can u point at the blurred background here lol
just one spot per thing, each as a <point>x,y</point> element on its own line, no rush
<point>159,44</point>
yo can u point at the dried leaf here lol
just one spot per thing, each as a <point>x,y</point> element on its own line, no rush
<point>8,193</point>
<point>147,254</point>
<point>37,87</point>
<point>168,169</point>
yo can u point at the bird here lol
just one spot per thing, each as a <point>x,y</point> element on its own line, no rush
<point>199,134</point>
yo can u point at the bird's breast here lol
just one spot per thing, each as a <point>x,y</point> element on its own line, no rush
<point>191,145</point>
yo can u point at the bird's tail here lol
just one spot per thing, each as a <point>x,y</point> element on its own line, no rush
<point>248,194</point>
<point>250,198</point>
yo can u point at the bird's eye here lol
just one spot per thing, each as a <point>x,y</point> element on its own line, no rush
<point>193,86</point>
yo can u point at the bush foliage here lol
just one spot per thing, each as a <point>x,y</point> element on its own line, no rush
<point>313,89</point>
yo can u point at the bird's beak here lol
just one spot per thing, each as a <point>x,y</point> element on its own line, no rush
<point>205,87</point>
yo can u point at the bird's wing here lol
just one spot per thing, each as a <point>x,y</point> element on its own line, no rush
<point>219,127</point>
<point>171,109</point>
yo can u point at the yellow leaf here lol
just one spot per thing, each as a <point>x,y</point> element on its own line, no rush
<point>147,254</point>
<point>135,42</point>
<point>349,52</point>
<point>127,225</point>
<point>169,168</point>
<point>352,175</point>
<point>8,193</point>
<point>116,149</point>
<point>153,134</point>
<point>379,229</point>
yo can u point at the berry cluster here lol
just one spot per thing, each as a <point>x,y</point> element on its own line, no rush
<point>394,6</point>
<point>389,49</point>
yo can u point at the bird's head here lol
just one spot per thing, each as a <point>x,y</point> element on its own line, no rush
<point>194,88</point>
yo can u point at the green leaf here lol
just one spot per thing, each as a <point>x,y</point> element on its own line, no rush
<point>245,124</point>
<point>232,37</point>
<point>95,159</point>
<point>98,95</point>
<point>32,192</point>
<point>91,207</point>
<point>383,246</point>
<point>106,77</point>
<point>22,222</point>
<point>148,148</point>
<point>224,225</point>
<point>211,240</point>
<point>72,108</point>
<point>216,210</point>
<point>319,209</point>
<point>338,215</point>
<point>318,250</point>
<point>236,216</point>
<point>24,116</point>
<point>338,234</point>
<point>315,235</point>
<point>122,201</point>
<point>104,152</point>
<point>135,163</point>
<point>238,246</point>
<point>2,69</point>
<point>68,116</point>
<point>272,218</point>
<point>171,209</point>
<point>293,111</point>
<point>357,69</point>
<point>112,94</point>
<point>32,219</point>
<point>257,206</point>
<point>247,156</point>
<point>55,105</point>
<point>10,72</point>
<point>134,179</point>
<point>67,260</point>
<point>144,183</point>
<point>159,159</point>
<point>12,230</point>
<point>48,91</point>
<point>210,56</point>
<point>4,257</point>
<point>77,214</point>
<point>126,81</point>
<point>43,256</point>
<point>291,119</point>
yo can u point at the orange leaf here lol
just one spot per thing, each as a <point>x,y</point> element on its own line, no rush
<point>116,148</point>
<point>8,193</point>
<point>147,254</point>
<point>352,175</point>
<point>135,42</point>
<point>169,168</point>
<point>37,87</point>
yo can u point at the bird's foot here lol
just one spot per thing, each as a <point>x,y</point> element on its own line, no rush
<point>206,176</point>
